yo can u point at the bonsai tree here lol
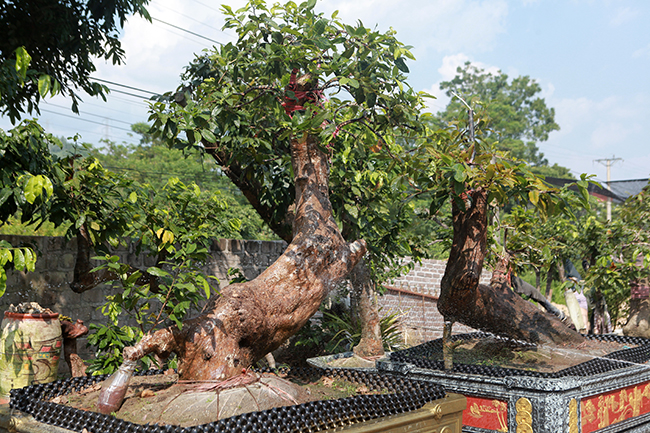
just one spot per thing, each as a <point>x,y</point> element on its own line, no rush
<point>480,181</point>
<point>239,104</point>
<point>295,91</point>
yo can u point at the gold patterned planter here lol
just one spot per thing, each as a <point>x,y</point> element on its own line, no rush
<point>440,416</point>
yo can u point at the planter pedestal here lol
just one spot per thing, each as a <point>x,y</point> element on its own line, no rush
<point>604,395</point>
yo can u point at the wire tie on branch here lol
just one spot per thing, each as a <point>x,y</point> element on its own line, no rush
<point>292,96</point>
<point>470,114</point>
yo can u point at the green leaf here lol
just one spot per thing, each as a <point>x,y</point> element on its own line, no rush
<point>319,27</point>
<point>22,62</point>
<point>133,197</point>
<point>157,272</point>
<point>459,173</point>
<point>80,221</point>
<point>533,196</point>
<point>30,260</point>
<point>208,136</point>
<point>5,256</point>
<point>19,260</point>
<point>3,281</point>
<point>310,4</point>
<point>401,65</point>
<point>35,187</point>
<point>43,85</point>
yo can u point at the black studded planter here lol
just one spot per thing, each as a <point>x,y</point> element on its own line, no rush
<point>606,394</point>
<point>403,404</point>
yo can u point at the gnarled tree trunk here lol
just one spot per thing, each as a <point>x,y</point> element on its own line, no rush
<point>251,319</point>
<point>495,307</point>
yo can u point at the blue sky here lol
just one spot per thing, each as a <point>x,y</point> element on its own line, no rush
<point>591,58</point>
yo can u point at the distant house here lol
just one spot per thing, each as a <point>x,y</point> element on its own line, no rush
<point>620,189</point>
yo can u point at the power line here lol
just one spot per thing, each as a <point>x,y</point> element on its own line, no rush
<point>128,101</point>
<point>84,120</point>
<point>94,115</point>
<point>127,93</point>
<point>207,6</point>
<point>190,18</point>
<point>186,31</point>
<point>125,86</point>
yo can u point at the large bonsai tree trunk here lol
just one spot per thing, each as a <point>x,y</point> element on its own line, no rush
<point>495,307</point>
<point>251,319</point>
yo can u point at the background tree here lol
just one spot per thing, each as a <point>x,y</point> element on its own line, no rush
<point>517,119</point>
<point>34,64</point>
<point>153,163</point>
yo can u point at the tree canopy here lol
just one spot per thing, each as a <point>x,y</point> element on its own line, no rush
<point>232,105</point>
<point>517,117</point>
<point>50,46</point>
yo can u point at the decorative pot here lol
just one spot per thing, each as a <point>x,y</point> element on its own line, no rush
<point>30,348</point>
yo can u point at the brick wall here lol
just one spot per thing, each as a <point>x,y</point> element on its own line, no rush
<point>414,295</point>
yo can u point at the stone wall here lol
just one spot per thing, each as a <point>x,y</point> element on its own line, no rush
<point>49,284</point>
<point>414,296</point>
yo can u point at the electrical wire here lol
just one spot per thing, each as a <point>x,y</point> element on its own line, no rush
<point>189,17</point>
<point>124,85</point>
<point>127,93</point>
<point>186,31</point>
<point>84,120</point>
<point>94,115</point>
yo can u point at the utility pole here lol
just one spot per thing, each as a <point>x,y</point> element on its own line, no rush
<point>608,162</point>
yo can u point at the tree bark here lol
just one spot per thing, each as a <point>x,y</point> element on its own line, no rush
<point>365,311</point>
<point>495,307</point>
<point>252,319</point>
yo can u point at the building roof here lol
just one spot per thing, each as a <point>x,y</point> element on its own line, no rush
<point>620,189</point>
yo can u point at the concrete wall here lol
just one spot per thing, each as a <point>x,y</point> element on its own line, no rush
<point>413,296</point>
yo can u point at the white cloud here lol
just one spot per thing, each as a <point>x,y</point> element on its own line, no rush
<point>451,63</point>
<point>623,16</point>
<point>642,52</point>
<point>593,129</point>
<point>452,25</point>
<point>548,91</point>
<point>447,72</point>
<point>611,133</point>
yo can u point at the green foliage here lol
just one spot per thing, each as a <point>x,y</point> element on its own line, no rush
<point>177,225</point>
<point>231,107</point>
<point>26,187</point>
<point>337,332</point>
<point>613,253</point>
<point>59,56</point>
<point>23,259</point>
<point>29,173</point>
<point>459,159</point>
<point>182,286</point>
<point>517,119</point>
<point>153,163</point>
